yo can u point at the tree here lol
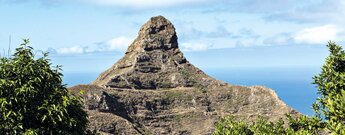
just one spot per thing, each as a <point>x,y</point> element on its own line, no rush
<point>329,108</point>
<point>331,85</point>
<point>33,99</point>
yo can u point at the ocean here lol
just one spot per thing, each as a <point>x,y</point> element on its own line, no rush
<point>293,85</point>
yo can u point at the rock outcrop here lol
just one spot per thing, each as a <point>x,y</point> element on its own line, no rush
<point>153,61</point>
<point>153,89</point>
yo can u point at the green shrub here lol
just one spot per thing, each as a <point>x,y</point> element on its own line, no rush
<point>33,99</point>
<point>229,126</point>
<point>264,127</point>
<point>297,126</point>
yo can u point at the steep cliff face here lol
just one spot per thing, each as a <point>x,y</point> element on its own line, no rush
<point>153,89</point>
<point>153,61</point>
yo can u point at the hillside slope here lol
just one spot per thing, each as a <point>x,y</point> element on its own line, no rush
<point>153,89</point>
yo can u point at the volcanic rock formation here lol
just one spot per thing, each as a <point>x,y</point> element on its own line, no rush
<point>153,61</point>
<point>153,89</point>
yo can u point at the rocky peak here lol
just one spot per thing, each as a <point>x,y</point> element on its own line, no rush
<point>157,34</point>
<point>153,61</point>
<point>190,103</point>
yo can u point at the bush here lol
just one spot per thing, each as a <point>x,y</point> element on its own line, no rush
<point>228,126</point>
<point>33,99</point>
<point>297,126</point>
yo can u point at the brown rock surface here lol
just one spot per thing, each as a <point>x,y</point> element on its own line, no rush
<point>153,89</point>
<point>153,61</point>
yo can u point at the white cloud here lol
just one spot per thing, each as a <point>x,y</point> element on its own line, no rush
<point>118,43</point>
<point>328,11</point>
<point>194,47</point>
<point>317,35</point>
<point>143,3</point>
<point>71,50</point>
<point>279,39</point>
<point>115,44</point>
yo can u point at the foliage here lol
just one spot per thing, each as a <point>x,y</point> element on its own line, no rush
<point>229,126</point>
<point>297,126</point>
<point>305,123</point>
<point>330,107</point>
<point>33,99</point>
<point>331,86</point>
<point>264,127</point>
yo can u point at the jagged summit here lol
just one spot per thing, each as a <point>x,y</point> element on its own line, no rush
<point>153,61</point>
<point>156,34</point>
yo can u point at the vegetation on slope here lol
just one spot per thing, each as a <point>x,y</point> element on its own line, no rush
<point>329,108</point>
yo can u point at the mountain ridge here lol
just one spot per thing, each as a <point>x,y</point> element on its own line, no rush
<point>154,89</point>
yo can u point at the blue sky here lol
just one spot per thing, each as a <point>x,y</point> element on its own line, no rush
<point>226,33</point>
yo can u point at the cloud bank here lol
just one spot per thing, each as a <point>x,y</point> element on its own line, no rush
<point>244,38</point>
<point>317,35</point>
<point>71,50</point>
<point>118,44</point>
<point>317,22</point>
<point>144,3</point>
<point>319,11</point>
